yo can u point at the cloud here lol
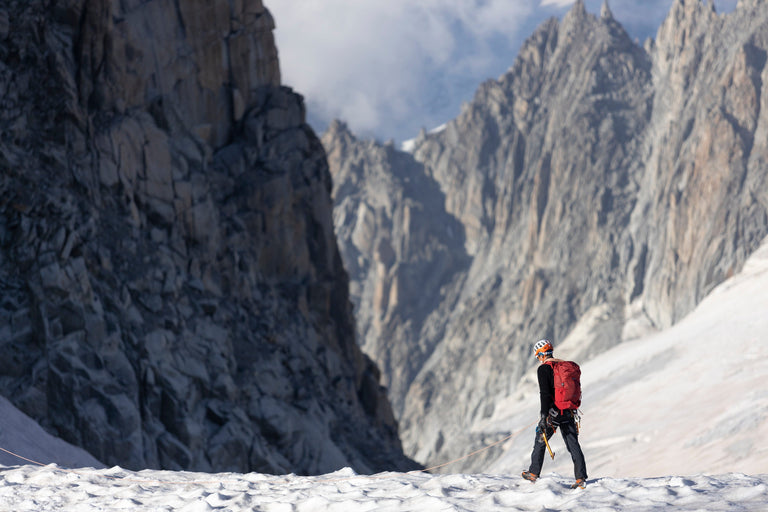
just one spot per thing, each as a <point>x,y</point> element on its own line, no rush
<point>376,63</point>
<point>558,3</point>
<point>390,67</point>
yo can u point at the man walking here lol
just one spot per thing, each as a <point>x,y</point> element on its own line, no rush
<point>558,409</point>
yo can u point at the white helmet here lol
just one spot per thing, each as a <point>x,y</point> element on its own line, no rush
<point>542,347</point>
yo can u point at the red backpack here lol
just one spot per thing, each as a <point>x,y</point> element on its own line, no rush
<point>567,384</point>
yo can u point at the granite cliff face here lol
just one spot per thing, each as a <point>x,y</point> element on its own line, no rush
<point>172,291</point>
<point>402,250</point>
<point>601,189</point>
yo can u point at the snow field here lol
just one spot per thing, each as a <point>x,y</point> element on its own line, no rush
<point>35,488</point>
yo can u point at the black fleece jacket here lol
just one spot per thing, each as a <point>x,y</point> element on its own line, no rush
<point>546,387</point>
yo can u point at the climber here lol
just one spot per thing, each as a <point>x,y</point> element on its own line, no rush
<point>560,393</point>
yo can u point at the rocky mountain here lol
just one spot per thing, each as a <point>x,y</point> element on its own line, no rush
<point>172,291</point>
<point>597,190</point>
<point>402,249</point>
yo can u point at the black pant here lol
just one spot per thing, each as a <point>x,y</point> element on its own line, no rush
<point>570,434</point>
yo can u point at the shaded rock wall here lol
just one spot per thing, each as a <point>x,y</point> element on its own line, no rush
<point>172,291</point>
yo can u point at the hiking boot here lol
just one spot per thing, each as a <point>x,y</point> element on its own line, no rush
<point>531,477</point>
<point>579,484</point>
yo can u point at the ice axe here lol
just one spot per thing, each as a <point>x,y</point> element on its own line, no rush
<point>544,437</point>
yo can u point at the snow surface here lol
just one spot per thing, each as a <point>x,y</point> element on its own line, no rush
<point>674,420</point>
<point>29,488</point>
<point>22,435</point>
<point>409,145</point>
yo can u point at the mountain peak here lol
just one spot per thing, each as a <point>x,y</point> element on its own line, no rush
<point>746,3</point>
<point>686,21</point>
<point>576,17</point>
<point>339,128</point>
<point>579,10</point>
<point>605,11</point>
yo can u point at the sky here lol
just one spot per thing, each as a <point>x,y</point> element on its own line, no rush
<point>389,68</point>
<point>673,420</point>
